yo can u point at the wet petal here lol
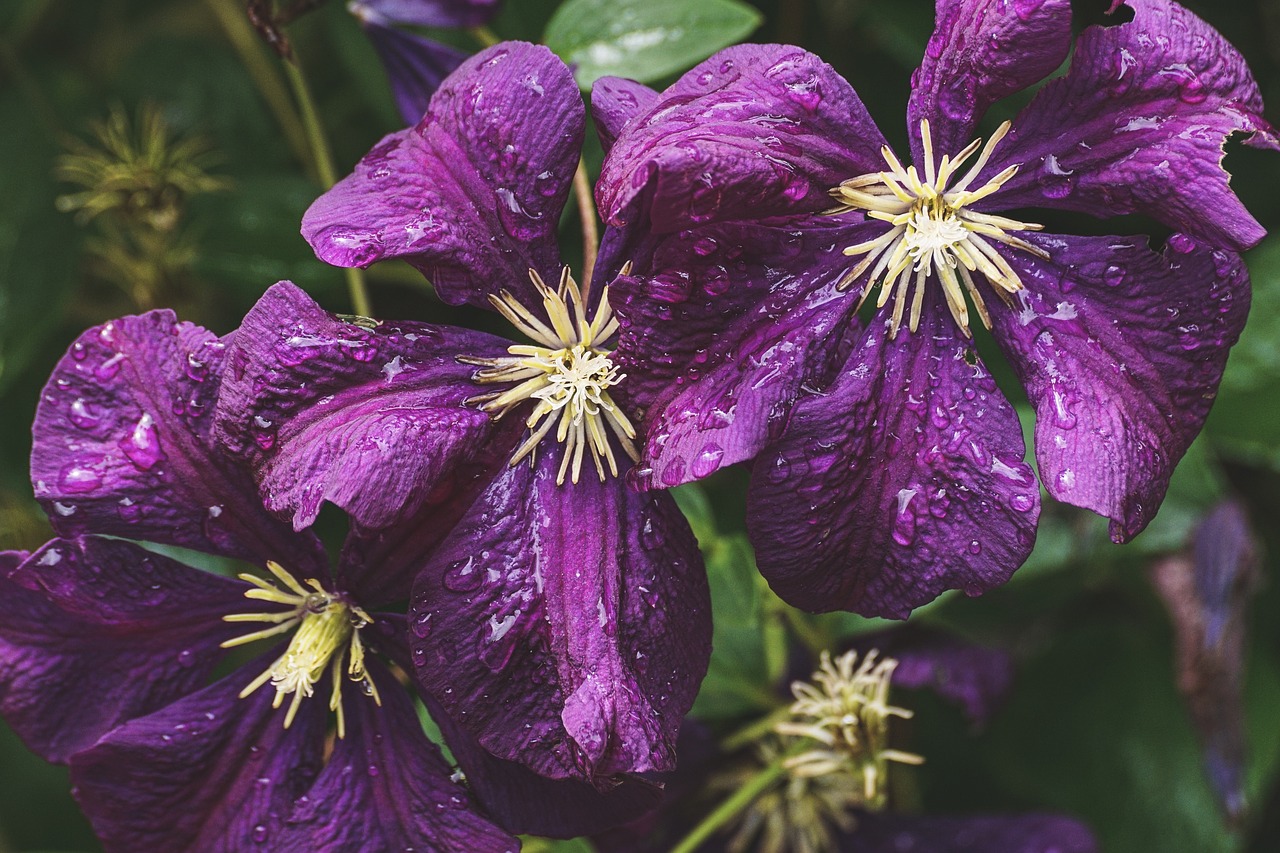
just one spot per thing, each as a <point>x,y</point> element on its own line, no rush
<point>415,66</point>
<point>1150,104</point>
<point>210,772</point>
<point>1121,350</point>
<point>123,447</point>
<point>371,419</point>
<point>96,632</point>
<point>614,102</point>
<point>754,131</point>
<point>721,326</point>
<point>527,803</point>
<point>567,627</point>
<point>982,51</point>
<point>386,787</point>
<point>433,13</point>
<point>901,480</point>
<point>989,834</point>
<point>472,195</point>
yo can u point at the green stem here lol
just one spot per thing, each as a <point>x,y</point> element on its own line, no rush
<point>732,807</point>
<point>752,732</point>
<point>324,169</point>
<point>261,68</point>
<point>590,229</point>
<point>484,35</point>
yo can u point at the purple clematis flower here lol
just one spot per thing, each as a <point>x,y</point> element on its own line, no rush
<point>564,620</point>
<point>889,466</point>
<point>107,648</point>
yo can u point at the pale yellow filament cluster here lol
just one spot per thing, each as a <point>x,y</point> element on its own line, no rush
<point>846,712</point>
<point>934,231</point>
<point>328,631</point>
<point>566,371</point>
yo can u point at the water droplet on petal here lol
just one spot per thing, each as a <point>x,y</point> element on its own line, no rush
<point>84,415</point>
<point>78,479</point>
<point>142,445</point>
<point>708,461</point>
<point>462,576</point>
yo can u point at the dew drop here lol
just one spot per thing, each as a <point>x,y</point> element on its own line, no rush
<point>84,415</point>
<point>708,461</point>
<point>462,576</point>
<point>109,368</point>
<point>1022,502</point>
<point>422,624</point>
<point>78,479</point>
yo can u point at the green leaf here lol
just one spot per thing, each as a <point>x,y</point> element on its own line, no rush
<point>644,39</point>
<point>737,681</point>
<point>1096,729</point>
<point>1239,424</point>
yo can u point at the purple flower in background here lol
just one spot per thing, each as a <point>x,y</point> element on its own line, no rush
<point>889,467</point>
<point>107,648</point>
<point>416,66</point>
<point>433,13</point>
<point>564,621</point>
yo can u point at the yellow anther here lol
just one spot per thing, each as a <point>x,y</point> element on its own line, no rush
<point>327,631</point>
<point>934,234</point>
<point>566,372</point>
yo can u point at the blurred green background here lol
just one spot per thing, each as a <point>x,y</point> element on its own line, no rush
<point>1095,728</point>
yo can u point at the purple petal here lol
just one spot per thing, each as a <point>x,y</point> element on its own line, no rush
<point>96,632</point>
<point>1148,106</point>
<point>1121,350</point>
<point>721,326</point>
<point>472,195</point>
<point>122,446</point>
<point>386,787</point>
<point>527,803</point>
<point>210,772</point>
<point>902,479</point>
<point>982,51</point>
<point>432,13</point>
<point>754,131</point>
<point>415,66</point>
<point>1208,594</point>
<point>372,420</point>
<point>567,627</point>
<point>974,677</point>
<point>989,834</point>
<point>614,102</point>
<point>10,560</point>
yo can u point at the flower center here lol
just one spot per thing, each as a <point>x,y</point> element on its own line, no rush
<point>327,632</point>
<point>566,372</point>
<point>846,712</point>
<point>934,231</point>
